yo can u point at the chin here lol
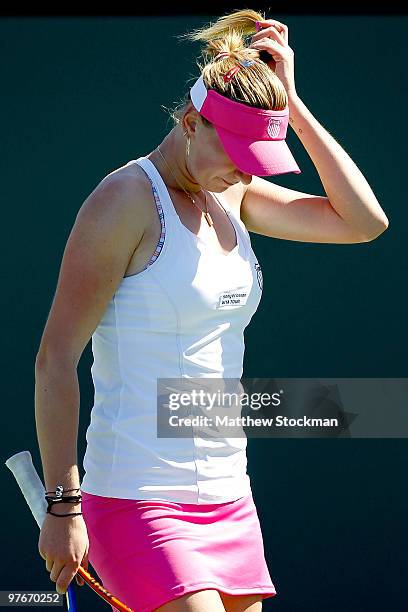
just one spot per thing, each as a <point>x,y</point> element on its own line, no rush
<point>225,184</point>
<point>220,189</point>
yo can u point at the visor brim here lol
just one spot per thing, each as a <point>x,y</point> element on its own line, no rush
<point>261,157</point>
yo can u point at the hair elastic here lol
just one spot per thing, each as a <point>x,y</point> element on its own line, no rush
<point>232,71</point>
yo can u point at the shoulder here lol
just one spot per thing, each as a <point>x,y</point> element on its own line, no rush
<point>129,179</point>
<point>123,192</point>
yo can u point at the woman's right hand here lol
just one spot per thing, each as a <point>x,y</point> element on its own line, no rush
<point>64,546</point>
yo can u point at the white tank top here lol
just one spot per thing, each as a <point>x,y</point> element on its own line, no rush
<point>174,319</point>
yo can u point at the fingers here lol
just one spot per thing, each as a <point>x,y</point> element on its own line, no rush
<point>270,25</point>
<point>62,573</point>
<point>270,32</point>
<point>80,581</point>
<point>58,574</point>
<point>64,579</point>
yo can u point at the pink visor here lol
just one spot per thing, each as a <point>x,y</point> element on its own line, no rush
<point>253,138</point>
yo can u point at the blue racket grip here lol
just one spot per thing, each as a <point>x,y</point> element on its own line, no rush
<point>71,599</point>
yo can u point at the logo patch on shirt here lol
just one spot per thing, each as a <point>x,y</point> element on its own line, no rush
<point>233,297</point>
<point>259,274</point>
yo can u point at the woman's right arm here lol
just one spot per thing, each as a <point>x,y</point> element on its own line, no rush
<point>108,228</point>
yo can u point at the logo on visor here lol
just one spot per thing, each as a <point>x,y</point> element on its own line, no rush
<point>274,127</point>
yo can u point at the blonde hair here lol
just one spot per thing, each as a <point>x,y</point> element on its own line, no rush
<point>256,85</point>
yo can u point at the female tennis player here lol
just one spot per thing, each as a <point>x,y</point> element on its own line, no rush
<point>160,272</point>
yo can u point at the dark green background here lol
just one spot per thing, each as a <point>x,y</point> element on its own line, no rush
<point>82,96</point>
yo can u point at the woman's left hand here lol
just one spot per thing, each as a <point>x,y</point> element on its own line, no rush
<point>273,38</point>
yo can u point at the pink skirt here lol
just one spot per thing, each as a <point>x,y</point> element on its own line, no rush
<point>149,552</point>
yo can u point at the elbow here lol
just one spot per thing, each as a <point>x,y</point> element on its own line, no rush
<point>39,360</point>
<point>47,357</point>
<point>378,232</point>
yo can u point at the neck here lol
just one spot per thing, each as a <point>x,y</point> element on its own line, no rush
<point>175,172</point>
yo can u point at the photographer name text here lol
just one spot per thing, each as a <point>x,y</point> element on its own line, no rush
<point>248,421</point>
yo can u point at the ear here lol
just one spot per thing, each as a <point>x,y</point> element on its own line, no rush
<point>191,119</point>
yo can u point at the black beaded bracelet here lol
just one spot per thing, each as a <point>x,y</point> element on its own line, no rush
<point>69,514</point>
<point>60,499</point>
<point>67,499</point>
<point>59,490</point>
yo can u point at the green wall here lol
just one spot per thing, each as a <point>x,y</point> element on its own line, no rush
<point>81,96</point>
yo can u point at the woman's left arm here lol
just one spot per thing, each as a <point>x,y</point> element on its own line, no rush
<point>347,189</point>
